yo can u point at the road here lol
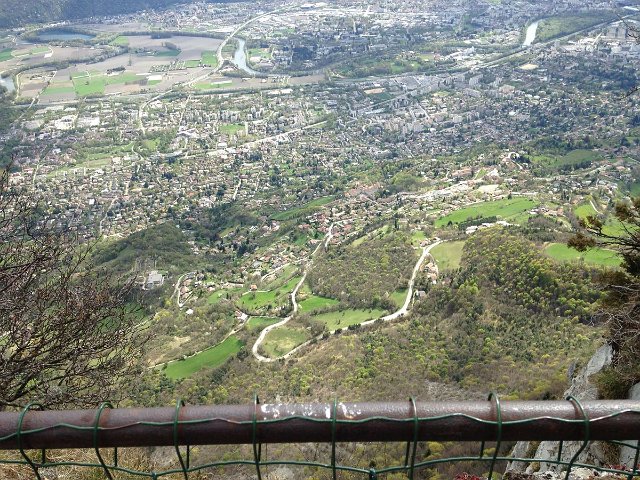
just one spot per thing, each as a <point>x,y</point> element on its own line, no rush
<point>283,322</point>
<point>399,313</point>
<point>176,290</point>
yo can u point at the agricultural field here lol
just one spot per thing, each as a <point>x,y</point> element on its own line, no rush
<point>448,255</point>
<point>213,85</point>
<point>121,41</point>
<point>255,301</point>
<point>93,83</point>
<point>594,256</point>
<point>507,209</point>
<point>282,340</point>
<point>344,318</point>
<point>211,358</point>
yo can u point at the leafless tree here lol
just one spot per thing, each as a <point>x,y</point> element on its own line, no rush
<point>68,332</point>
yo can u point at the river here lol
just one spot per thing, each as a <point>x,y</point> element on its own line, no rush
<point>240,58</point>
<point>531,34</point>
<point>7,83</point>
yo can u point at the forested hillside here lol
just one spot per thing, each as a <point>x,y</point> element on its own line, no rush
<point>16,12</point>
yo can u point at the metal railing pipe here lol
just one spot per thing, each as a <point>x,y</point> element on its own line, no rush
<point>314,422</point>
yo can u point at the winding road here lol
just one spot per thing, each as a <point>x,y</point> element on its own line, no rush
<point>284,321</point>
<point>399,313</point>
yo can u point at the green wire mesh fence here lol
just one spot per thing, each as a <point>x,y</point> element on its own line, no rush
<point>617,422</point>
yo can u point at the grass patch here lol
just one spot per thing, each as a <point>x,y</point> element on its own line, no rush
<point>209,59</point>
<point>594,256</point>
<point>222,294</point>
<point>167,53</point>
<point>258,323</point>
<point>192,63</point>
<point>585,210</point>
<point>58,90</point>
<point>505,209</point>
<point>212,86</point>
<point>571,161</point>
<point>210,358</point>
<point>559,26</point>
<point>90,84</point>
<point>345,318</point>
<point>282,340</point>
<point>120,40</point>
<point>5,54</point>
<point>398,297</point>
<point>448,255</point>
<point>304,210</point>
<point>315,302</point>
<point>231,128</point>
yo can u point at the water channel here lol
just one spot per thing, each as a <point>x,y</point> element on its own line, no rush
<point>240,58</point>
<point>63,35</point>
<point>7,83</point>
<point>531,34</point>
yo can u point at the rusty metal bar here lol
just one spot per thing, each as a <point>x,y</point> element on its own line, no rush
<point>294,423</point>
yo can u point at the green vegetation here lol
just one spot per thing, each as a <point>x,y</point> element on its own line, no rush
<point>304,210</point>
<point>268,300</point>
<point>120,40</point>
<point>258,323</point>
<point>222,294</point>
<point>212,86</point>
<point>448,255</point>
<point>167,53</point>
<point>164,243</point>
<point>398,297</point>
<point>231,129</point>
<point>282,340</point>
<point>554,27</point>
<point>505,209</point>
<point>573,160</point>
<point>594,256</point>
<point>364,276</point>
<point>94,84</point>
<point>314,302</point>
<point>211,358</point>
<point>192,63</point>
<point>344,318</point>
<point>5,55</point>
<point>56,90</point>
<point>585,210</point>
<point>209,59</point>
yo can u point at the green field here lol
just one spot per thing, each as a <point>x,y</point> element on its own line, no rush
<point>231,128</point>
<point>259,52</point>
<point>37,50</point>
<point>314,302</point>
<point>54,90</point>
<point>594,256</point>
<point>5,55</point>
<point>192,63</point>
<point>221,294</point>
<point>344,318</point>
<point>504,209</point>
<point>211,86</point>
<point>448,255</point>
<point>262,299</point>
<point>306,209</point>
<point>258,323</point>
<point>121,41</point>
<point>167,53</point>
<point>282,340</point>
<point>211,358</point>
<point>559,26</point>
<point>398,297</point>
<point>575,158</point>
<point>585,210</point>
<point>92,84</point>
<point>210,59</point>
